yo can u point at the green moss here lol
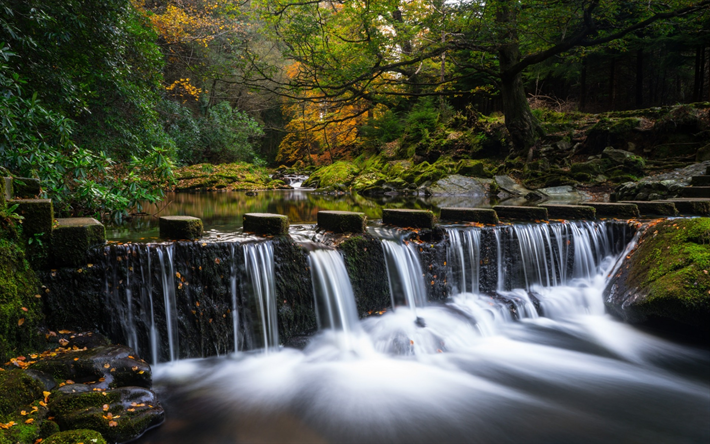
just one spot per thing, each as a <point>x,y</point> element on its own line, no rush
<point>340,172</point>
<point>81,436</point>
<point>231,176</point>
<point>674,265</point>
<point>17,389</point>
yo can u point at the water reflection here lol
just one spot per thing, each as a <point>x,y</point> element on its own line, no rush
<point>221,212</point>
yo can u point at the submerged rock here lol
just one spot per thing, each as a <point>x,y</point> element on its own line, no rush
<point>666,280</point>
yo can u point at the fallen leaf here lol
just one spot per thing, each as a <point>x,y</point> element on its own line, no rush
<point>20,321</point>
<point>112,423</point>
<point>25,308</point>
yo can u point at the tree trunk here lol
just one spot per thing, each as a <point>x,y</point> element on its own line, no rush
<point>523,127</point>
<point>698,78</point>
<point>583,87</point>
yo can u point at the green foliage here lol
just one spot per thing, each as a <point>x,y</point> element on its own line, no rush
<point>383,129</point>
<point>422,121</point>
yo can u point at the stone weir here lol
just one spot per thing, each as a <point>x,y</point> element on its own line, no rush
<point>195,299</point>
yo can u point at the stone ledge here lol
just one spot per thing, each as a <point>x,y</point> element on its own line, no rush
<point>521,213</point>
<point>72,238</point>
<point>408,218</point>
<point>570,212</point>
<point>695,192</point>
<point>654,207</point>
<point>699,207</point>
<point>180,227</point>
<point>266,223</point>
<point>480,215</point>
<point>621,210</point>
<point>700,181</point>
<point>342,221</point>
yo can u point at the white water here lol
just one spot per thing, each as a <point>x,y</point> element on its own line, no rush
<point>405,274</point>
<point>259,261</point>
<point>167,273</point>
<point>471,375</point>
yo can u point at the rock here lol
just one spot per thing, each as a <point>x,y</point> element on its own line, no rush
<point>17,389</point>
<point>480,215</point>
<point>655,208</point>
<point>26,188</point>
<point>120,415</point>
<point>81,436</point>
<point>342,221</point>
<point>699,207</point>
<point>455,185</point>
<point>408,218</point>
<point>48,383</point>
<point>266,223</point>
<point>180,227</point>
<point>72,238</point>
<point>624,158</point>
<point>703,154</point>
<point>570,212</point>
<point>509,185</point>
<point>471,168</point>
<point>620,210</point>
<point>101,367</point>
<point>665,280</point>
<point>592,167</point>
<point>521,213</point>
<point>695,192</point>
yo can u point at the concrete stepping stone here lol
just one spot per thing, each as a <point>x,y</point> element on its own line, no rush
<point>180,227</point>
<point>408,218</point>
<point>570,212</point>
<point>695,192</point>
<point>620,210</point>
<point>480,215</point>
<point>266,223</point>
<point>38,214</point>
<point>26,187</point>
<point>72,238</point>
<point>654,207</point>
<point>342,221</point>
<point>700,181</point>
<point>531,214</point>
<point>699,207</point>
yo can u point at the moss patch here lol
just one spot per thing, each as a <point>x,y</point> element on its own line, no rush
<point>82,436</point>
<point>230,176</point>
<point>341,172</point>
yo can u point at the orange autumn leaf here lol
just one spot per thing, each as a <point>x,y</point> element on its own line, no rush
<point>112,423</point>
<point>20,321</point>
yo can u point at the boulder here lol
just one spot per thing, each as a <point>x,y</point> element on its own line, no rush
<point>471,168</point>
<point>509,185</point>
<point>266,223</point>
<point>81,436</point>
<point>408,218</point>
<point>342,221</point>
<point>624,158</point>
<point>458,185</point>
<point>180,227</point>
<point>664,280</point>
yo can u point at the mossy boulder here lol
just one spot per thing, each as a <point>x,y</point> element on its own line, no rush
<point>17,389</point>
<point>81,436</point>
<point>666,279</point>
<point>120,415</point>
<point>623,158</point>
<point>340,172</point>
<point>72,238</point>
<point>610,132</point>
<point>472,168</point>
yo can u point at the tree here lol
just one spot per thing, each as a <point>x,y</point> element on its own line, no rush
<point>385,51</point>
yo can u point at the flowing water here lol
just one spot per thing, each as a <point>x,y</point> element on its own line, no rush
<point>537,363</point>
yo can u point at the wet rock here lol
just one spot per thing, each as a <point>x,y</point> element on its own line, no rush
<point>17,389</point>
<point>72,239</point>
<point>408,218</point>
<point>509,185</point>
<point>699,207</point>
<point>592,168</point>
<point>102,367</point>
<point>48,383</point>
<point>364,260</point>
<point>180,227</point>
<point>624,158</point>
<point>664,281</point>
<point>120,415</point>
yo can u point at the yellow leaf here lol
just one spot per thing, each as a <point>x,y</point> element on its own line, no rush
<point>20,321</point>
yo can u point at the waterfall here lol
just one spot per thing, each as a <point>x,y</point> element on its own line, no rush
<point>259,261</point>
<point>233,291</point>
<point>464,259</point>
<point>335,301</point>
<point>167,274</point>
<point>405,274</point>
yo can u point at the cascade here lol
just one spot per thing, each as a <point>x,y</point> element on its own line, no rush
<point>259,262</point>
<point>405,274</point>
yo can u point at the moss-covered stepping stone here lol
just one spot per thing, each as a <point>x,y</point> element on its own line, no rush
<point>180,227</point>
<point>26,187</point>
<point>408,218</point>
<point>342,221</point>
<point>480,215</point>
<point>613,209</point>
<point>72,238</point>
<point>521,213</point>
<point>570,212</point>
<point>38,216</point>
<point>266,223</point>
<point>700,207</point>
<point>655,207</point>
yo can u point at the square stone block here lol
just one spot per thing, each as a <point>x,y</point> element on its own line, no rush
<point>620,210</point>
<point>480,215</point>
<point>408,218</point>
<point>266,223</point>
<point>26,187</point>
<point>530,214</point>
<point>342,221</point>
<point>38,216</point>
<point>72,238</point>
<point>180,227</point>
<point>570,212</point>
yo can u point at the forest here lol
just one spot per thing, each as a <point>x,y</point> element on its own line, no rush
<point>106,101</point>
